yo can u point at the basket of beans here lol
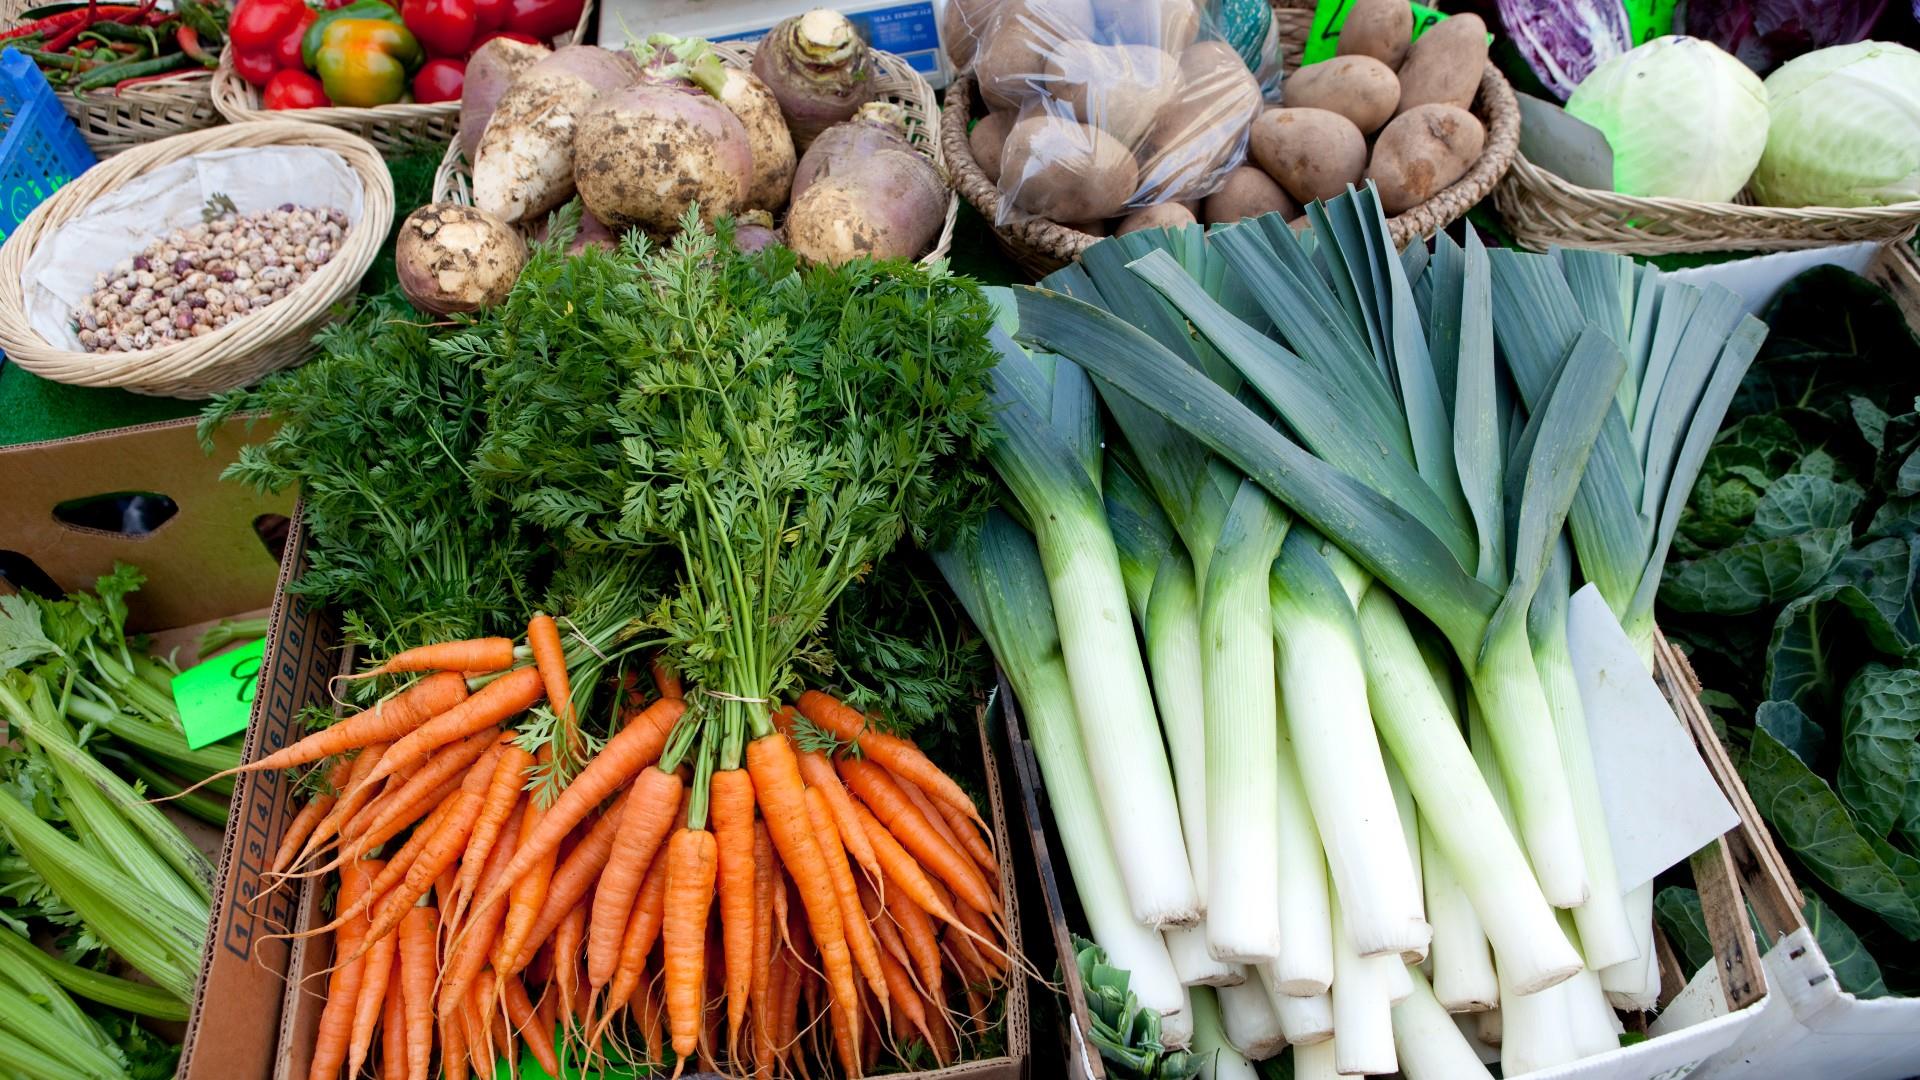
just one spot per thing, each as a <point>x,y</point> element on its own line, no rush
<point>188,294</point>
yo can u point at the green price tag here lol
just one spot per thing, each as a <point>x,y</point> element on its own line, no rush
<point>1649,19</point>
<point>608,1069</point>
<point>215,698</point>
<point>1331,15</point>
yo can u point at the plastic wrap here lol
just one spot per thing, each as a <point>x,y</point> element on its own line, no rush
<point>1112,106</point>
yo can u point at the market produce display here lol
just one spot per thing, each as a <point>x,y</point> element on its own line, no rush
<point>103,898</point>
<point>90,46</point>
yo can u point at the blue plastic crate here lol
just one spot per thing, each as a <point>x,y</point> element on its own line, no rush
<point>42,149</point>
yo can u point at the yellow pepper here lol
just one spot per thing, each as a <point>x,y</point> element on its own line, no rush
<point>364,62</point>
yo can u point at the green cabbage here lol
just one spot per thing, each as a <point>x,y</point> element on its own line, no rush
<point>1845,128</point>
<point>1685,119</point>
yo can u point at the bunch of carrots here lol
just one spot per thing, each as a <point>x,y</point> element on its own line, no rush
<point>834,901</point>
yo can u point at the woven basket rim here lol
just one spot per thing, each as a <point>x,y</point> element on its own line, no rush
<point>1527,189</point>
<point>898,80</point>
<point>195,83</point>
<point>191,364</point>
<point>1040,240</point>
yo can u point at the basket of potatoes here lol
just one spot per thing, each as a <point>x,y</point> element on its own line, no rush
<point>1430,122</point>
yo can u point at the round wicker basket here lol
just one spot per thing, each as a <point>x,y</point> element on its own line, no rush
<point>1041,246</point>
<point>276,336</point>
<point>898,83</point>
<point>1543,209</point>
<point>397,129</point>
<point>112,121</point>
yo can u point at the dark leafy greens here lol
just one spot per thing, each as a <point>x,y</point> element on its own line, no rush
<point>1796,594</point>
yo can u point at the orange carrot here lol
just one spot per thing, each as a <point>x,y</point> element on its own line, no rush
<point>649,910</point>
<point>730,809</point>
<point>907,999</point>
<point>578,873</point>
<point>353,796</point>
<point>983,942</point>
<point>776,782</point>
<point>692,863</point>
<point>453,1050</point>
<point>761,985</point>
<point>902,870</point>
<point>634,748</point>
<point>402,806</point>
<point>962,837</point>
<point>887,934</point>
<point>916,931</point>
<point>665,678</point>
<point>439,853</point>
<point>526,894</point>
<point>393,1028</point>
<point>343,983</point>
<point>311,815</point>
<point>494,704</point>
<point>473,941</point>
<point>567,940</point>
<point>940,1039</point>
<point>419,934</point>
<point>897,754</point>
<point>818,773</point>
<point>651,1031</point>
<point>503,792</point>
<point>643,825</point>
<point>477,654</point>
<point>521,1014</point>
<point>550,658</point>
<point>860,941</point>
<point>915,833</point>
<point>374,974</point>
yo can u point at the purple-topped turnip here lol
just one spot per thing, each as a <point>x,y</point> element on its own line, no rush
<point>452,258</point>
<point>490,73</point>
<point>890,205</point>
<point>524,164</point>
<point>753,231</point>
<point>819,69</point>
<point>767,135</point>
<point>646,153</point>
<point>879,125</point>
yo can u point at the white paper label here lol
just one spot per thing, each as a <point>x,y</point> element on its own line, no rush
<point>1662,803</point>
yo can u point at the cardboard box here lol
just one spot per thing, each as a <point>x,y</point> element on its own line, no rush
<point>209,560</point>
<point>260,1001</point>
<point>1700,1017</point>
<point>908,28</point>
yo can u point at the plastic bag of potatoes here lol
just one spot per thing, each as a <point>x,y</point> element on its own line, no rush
<point>1103,108</point>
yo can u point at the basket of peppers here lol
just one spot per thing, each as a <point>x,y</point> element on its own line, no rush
<point>392,74</point>
<point>126,73</point>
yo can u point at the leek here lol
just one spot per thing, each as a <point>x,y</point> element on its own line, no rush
<point>1250,1023</point>
<point>1409,818</point>
<point>1219,1058</point>
<point>1302,1019</point>
<point>1237,686</point>
<point>1463,976</point>
<point>1315,1061</point>
<point>1426,1041</point>
<point>1362,1006</point>
<point>1305,964</point>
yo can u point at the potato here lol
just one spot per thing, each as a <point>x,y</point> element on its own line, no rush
<point>1091,228</point>
<point>961,27</point>
<point>1198,133</point>
<point>1066,171</point>
<point>1164,24</point>
<point>1444,66</point>
<point>1013,51</point>
<point>1359,88</point>
<point>1248,192</point>
<point>1422,151</point>
<point>988,139</point>
<point>1157,216</point>
<point>1312,153</point>
<point>1381,29</point>
<point>1116,88</point>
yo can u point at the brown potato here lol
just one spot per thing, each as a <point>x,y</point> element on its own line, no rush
<point>961,27</point>
<point>988,138</point>
<point>1422,151</point>
<point>1359,88</point>
<point>1381,29</point>
<point>1091,228</point>
<point>1157,216</point>
<point>1198,132</point>
<point>1312,153</point>
<point>1058,169</point>
<point>1248,192</point>
<point>1013,50</point>
<point>1444,66</point>
<point>1116,88</point>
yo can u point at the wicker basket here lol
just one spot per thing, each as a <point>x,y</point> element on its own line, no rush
<point>277,336</point>
<point>1041,246</point>
<point>1543,209</point>
<point>898,83</point>
<point>112,121</point>
<point>398,129</point>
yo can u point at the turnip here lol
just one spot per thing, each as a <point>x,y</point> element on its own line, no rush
<point>646,153</point>
<point>879,125</point>
<point>818,68</point>
<point>772,144</point>
<point>490,72</point>
<point>452,258</point>
<point>524,165</point>
<point>754,231</point>
<point>890,207</point>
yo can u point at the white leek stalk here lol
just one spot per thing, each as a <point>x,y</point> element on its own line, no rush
<point>1302,1019</point>
<point>1304,967</point>
<point>1219,1060</point>
<point>1420,732</point>
<point>1507,687</point>
<point>1409,817</point>
<point>1315,1061</point>
<point>1176,1028</point>
<point>1194,962</point>
<point>1399,983</point>
<point>1428,1044</point>
<point>1489,1027</point>
<point>1237,685</point>
<point>1324,691</point>
<point>1362,1011</point>
<point>1635,985</point>
<point>1463,978</point>
<point>1250,1024</point>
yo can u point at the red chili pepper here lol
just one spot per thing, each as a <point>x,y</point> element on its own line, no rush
<point>189,40</point>
<point>544,18</point>
<point>439,80</point>
<point>292,89</point>
<point>53,24</point>
<point>444,27</point>
<point>71,34</point>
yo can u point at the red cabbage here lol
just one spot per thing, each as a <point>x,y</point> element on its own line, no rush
<point>1766,33</point>
<point>1564,40</point>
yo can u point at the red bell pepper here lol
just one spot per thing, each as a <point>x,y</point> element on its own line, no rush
<point>490,15</point>
<point>439,80</point>
<point>443,27</point>
<point>544,19</point>
<point>265,35</point>
<point>292,89</point>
